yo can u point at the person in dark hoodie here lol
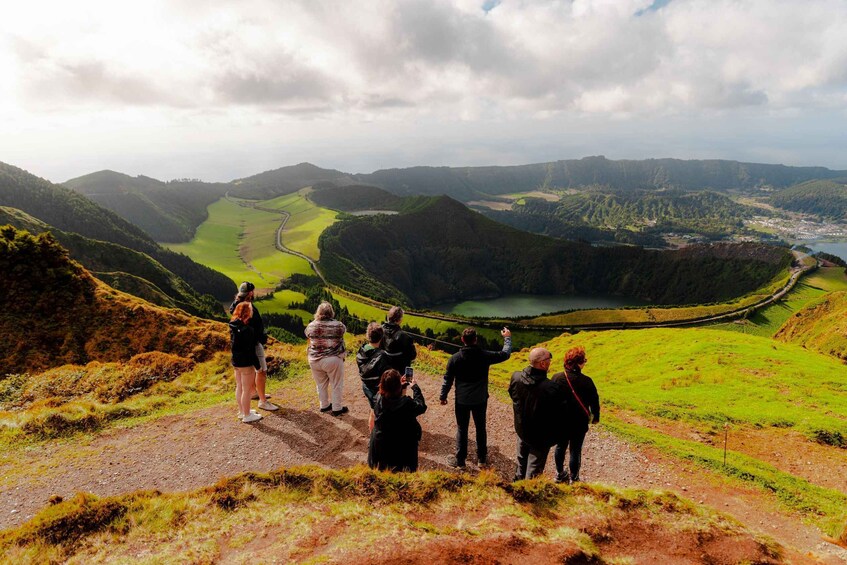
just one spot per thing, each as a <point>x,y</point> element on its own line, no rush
<point>397,344</point>
<point>246,293</point>
<point>395,431</point>
<point>537,404</point>
<point>582,406</point>
<point>468,368</point>
<point>244,359</point>
<point>372,362</point>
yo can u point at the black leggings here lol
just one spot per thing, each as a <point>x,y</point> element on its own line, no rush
<point>574,441</point>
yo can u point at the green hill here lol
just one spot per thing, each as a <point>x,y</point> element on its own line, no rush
<point>437,250</point>
<point>469,183</point>
<point>168,211</point>
<point>69,211</point>
<point>122,268</point>
<point>285,180</point>
<point>821,326</point>
<point>824,198</point>
<point>354,198</point>
<point>628,217</point>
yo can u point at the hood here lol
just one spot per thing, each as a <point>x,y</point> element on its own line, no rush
<point>365,355</point>
<point>531,376</point>
<point>390,329</point>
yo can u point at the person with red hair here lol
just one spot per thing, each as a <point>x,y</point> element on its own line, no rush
<point>244,359</point>
<point>582,406</point>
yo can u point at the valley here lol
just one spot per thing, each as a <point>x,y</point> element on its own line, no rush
<point>137,408</point>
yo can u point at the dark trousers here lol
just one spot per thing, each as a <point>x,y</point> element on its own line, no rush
<point>531,460</point>
<point>370,394</point>
<point>463,420</point>
<point>573,441</point>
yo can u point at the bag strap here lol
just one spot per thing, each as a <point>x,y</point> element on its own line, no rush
<point>575,395</point>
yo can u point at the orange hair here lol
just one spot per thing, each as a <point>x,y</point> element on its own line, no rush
<point>574,358</point>
<point>243,312</point>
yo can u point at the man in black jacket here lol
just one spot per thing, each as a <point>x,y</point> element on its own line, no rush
<point>469,369</point>
<point>398,345</point>
<point>246,294</point>
<point>537,403</point>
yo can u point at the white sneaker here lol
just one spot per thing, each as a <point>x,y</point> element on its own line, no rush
<point>240,415</point>
<point>250,418</point>
<point>269,406</point>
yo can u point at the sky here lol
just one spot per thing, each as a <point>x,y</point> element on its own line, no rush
<point>220,90</point>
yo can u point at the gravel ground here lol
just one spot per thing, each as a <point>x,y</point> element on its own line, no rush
<point>192,450</point>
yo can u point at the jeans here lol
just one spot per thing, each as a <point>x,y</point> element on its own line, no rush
<point>531,460</point>
<point>574,440</point>
<point>463,418</point>
<point>369,394</point>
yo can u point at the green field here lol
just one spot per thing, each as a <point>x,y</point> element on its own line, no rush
<point>702,379</point>
<point>239,242</point>
<point>306,224</point>
<point>768,320</point>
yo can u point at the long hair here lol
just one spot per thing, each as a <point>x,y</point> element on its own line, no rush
<point>324,311</point>
<point>389,384</point>
<point>574,358</point>
<point>243,312</point>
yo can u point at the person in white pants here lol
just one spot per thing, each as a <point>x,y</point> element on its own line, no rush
<point>326,354</point>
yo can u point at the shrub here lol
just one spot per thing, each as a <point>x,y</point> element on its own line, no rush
<point>829,437</point>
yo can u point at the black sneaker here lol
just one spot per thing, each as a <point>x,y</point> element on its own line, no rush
<point>343,410</point>
<point>482,462</point>
<point>327,409</point>
<point>455,463</point>
<point>562,478</point>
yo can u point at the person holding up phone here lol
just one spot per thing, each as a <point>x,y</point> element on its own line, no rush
<point>395,431</point>
<point>468,368</point>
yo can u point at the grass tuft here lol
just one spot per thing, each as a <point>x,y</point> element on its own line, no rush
<point>68,522</point>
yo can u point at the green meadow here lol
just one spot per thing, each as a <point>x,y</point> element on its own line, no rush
<point>306,223</point>
<point>703,379</point>
<point>239,242</point>
<point>768,320</point>
<point>701,376</point>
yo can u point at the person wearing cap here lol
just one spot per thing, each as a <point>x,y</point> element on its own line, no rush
<point>246,294</point>
<point>537,403</point>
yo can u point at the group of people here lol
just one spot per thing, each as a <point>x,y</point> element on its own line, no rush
<point>248,340</point>
<point>548,412</point>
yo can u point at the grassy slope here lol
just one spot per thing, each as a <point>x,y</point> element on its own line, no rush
<point>233,232</point>
<point>706,379</point>
<point>821,326</point>
<point>768,320</point>
<point>305,225</point>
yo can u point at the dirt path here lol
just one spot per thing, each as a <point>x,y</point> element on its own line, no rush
<point>196,449</point>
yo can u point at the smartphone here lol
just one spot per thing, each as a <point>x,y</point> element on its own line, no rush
<point>409,373</point>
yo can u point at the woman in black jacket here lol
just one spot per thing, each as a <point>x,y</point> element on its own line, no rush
<point>581,407</point>
<point>395,431</point>
<point>244,359</point>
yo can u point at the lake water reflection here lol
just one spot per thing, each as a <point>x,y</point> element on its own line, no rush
<point>838,248</point>
<point>534,304</point>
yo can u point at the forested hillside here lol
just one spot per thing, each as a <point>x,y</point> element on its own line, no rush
<point>69,211</point>
<point>122,268</point>
<point>468,183</point>
<point>635,217</point>
<point>285,181</point>
<point>824,198</point>
<point>440,251</point>
<point>352,198</point>
<point>168,211</point>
